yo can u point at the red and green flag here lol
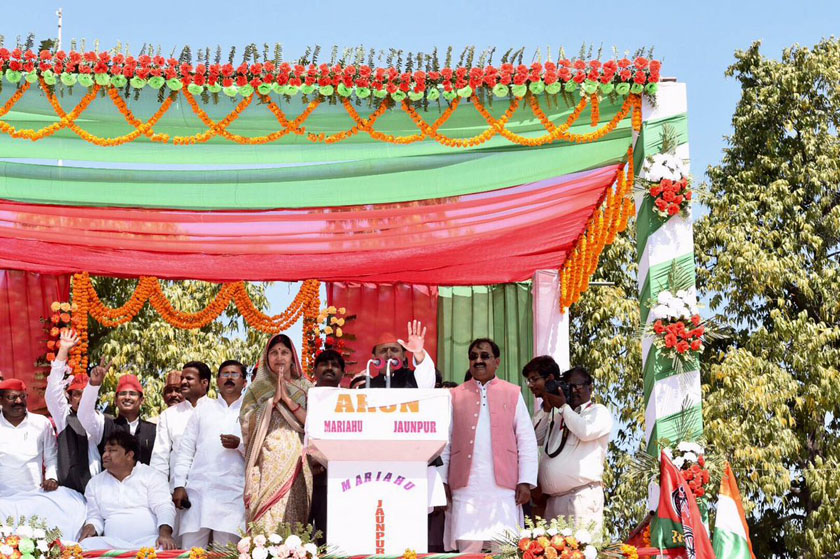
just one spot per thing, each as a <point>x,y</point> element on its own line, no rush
<point>678,522</point>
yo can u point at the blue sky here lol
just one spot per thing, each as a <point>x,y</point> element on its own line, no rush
<point>695,40</point>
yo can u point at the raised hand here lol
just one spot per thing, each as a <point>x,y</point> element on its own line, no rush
<point>416,340</point>
<point>67,340</point>
<point>97,374</point>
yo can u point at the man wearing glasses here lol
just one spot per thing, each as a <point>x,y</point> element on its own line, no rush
<point>573,434</point>
<point>490,463</point>
<point>128,399</point>
<point>209,471</point>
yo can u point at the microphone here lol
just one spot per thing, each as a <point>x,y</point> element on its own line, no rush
<point>391,362</point>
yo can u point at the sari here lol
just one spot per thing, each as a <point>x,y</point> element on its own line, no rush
<point>278,481</point>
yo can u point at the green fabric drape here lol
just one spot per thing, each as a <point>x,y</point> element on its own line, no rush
<point>502,312</point>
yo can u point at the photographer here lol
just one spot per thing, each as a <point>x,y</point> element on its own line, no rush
<point>573,433</point>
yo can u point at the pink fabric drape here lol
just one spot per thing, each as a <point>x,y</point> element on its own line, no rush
<point>491,237</point>
<point>25,300</point>
<point>383,308</point>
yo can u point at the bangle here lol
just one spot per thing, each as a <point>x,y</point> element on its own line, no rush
<point>296,409</point>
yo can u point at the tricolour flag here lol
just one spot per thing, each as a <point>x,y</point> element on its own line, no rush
<point>678,522</point>
<point>732,536</point>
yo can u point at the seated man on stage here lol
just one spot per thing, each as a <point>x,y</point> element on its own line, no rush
<point>389,347</point>
<point>128,505</point>
<point>28,448</point>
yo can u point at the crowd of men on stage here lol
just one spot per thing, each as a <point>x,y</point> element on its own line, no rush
<point>177,482</point>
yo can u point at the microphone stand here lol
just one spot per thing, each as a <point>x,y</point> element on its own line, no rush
<point>375,363</point>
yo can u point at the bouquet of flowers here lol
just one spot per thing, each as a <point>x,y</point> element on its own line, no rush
<point>541,539</point>
<point>667,183</point>
<point>285,542</point>
<point>333,330</point>
<point>28,540</point>
<point>60,318</point>
<point>689,458</point>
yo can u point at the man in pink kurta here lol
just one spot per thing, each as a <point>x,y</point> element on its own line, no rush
<point>490,463</point>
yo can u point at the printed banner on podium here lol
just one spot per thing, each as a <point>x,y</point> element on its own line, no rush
<point>377,444</point>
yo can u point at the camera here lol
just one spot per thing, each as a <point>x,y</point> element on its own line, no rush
<point>556,386</point>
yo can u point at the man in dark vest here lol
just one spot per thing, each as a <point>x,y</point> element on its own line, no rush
<point>128,399</point>
<point>78,456</point>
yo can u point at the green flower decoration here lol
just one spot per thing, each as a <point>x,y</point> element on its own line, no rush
<point>326,90</point>
<point>264,88</point>
<point>537,87</point>
<point>31,77</point>
<point>119,81</point>
<point>501,90</point>
<point>344,91</point>
<point>155,82</point>
<point>415,96</point>
<point>174,84</point>
<point>622,88</point>
<point>637,88</point>
<point>195,89</point>
<point>281,89</point>
<point>49,77</point>
<point>449,95</point>
<point>86,80</point>
<point>246,90</point>
<point>519,91</point>
<point>465,92</point>
<point>362,92</point>
<point>553,88</point>
<point>12,76</point>
<point>102,79</point>
<point>27,556</point>
<point>433,94</point>
<point>26,545</point>
<point>607,88</point>
<point>571,85</point>
<point>214,88</point>
<point>380,93</point>
<point>652,88</point>
<point>136,83</point>
<point>307,89</point>
<point>398,95</point>
<point>292,90</point>
<point>230,90</point>
<point>68,79</point>
<point>590,87</point>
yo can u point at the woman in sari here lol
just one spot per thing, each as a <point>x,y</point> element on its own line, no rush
<point>278,482</point>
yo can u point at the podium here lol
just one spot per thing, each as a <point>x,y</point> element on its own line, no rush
<point>376,444</point>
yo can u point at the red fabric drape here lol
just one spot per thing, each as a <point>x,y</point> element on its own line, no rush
<point>384,308</point>
<point>25,299</point>
<point>491,237</point>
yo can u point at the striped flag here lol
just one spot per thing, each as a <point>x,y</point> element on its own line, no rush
<point>732,536</point>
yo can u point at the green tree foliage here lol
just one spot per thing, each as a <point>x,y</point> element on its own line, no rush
<point>768,257</point>
<point>150,347</point>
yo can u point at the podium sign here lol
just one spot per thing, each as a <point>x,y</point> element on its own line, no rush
<point>377,444</point>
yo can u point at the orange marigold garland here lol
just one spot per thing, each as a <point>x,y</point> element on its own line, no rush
<point>606,221</point>
<point>86,302</point>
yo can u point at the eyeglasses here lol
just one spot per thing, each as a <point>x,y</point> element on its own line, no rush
<point>228,374</point>
<point>14,397</point>
<point>484,355</point>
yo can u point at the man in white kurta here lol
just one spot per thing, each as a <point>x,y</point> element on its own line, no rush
<point>482,510</point>
<point>210,469</point>
<point>574,436</point>
<point>28,448</point>
<point>128,505</point>
<point>195,381</point>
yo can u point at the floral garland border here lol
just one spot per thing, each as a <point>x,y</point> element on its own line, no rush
<point>86,303</point>
<point>104,69</point>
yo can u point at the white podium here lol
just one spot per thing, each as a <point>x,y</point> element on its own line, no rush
<point>377,444</point>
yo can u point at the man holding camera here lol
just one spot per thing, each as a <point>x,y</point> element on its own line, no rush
<point>573,433</point>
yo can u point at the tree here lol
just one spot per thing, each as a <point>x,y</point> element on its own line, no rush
<point>150,347</point>
<point>768,257</point>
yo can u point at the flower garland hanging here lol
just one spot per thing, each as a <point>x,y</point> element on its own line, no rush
<point>59,319</point>
<point>333,331</point>
<point>63,69</point>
